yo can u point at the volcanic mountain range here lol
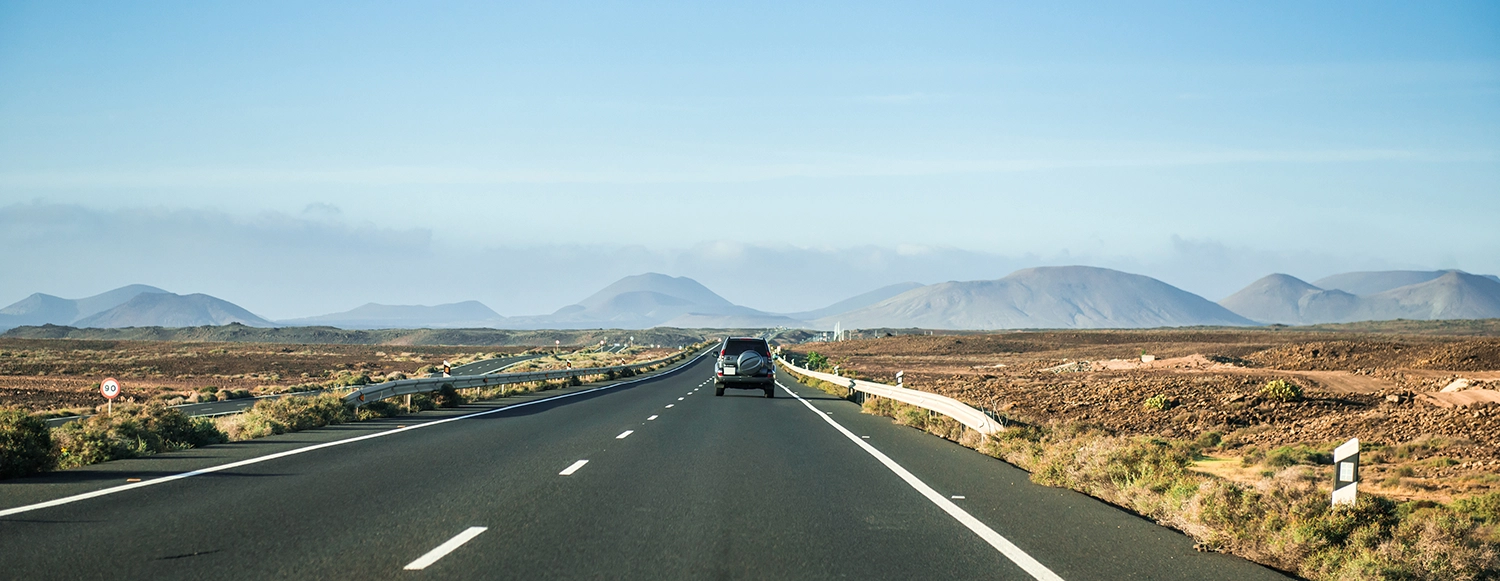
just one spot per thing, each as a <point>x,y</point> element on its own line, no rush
<point>1043,297</point>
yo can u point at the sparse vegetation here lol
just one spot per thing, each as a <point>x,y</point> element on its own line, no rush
<point>815,361</point>
<point>1160,402</point>
<point>1281,390</point>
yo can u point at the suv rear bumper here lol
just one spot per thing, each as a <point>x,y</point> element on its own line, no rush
<point>746,381</point>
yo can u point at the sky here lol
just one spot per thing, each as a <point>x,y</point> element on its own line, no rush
<point>300,158</point>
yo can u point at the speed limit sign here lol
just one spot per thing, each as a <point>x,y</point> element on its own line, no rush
<point>110,388</point>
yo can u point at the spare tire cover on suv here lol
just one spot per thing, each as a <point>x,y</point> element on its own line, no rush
<point>749,362</point>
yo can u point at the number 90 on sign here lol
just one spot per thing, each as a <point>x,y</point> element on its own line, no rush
<point>109,388</point>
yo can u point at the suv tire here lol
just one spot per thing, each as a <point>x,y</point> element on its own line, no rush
<point>771,390</point>
<point>718,391</point>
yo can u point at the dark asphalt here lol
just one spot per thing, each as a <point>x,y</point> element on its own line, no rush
<point>715,487</point>
<point>491,365</point>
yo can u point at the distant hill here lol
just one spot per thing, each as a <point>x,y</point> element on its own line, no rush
<point>1052,297</point>
<point>1454,295</point>
<point>45,309</point>
<point>1287,300</point>
<point>172,310</point>
<point>378,316</point>
<point>856,302</point>
<point>1369,283</point>
<point>238,333</point>
<point>1451,294</point>
<point>640,302</point>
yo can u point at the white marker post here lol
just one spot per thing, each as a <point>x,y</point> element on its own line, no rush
<point>1346,472</point>
<point>898,378</point>
<point>110,389</point>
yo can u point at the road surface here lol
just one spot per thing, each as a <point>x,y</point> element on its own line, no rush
<point>649,479</point>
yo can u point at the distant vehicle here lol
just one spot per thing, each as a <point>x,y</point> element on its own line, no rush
<point>745,363</point>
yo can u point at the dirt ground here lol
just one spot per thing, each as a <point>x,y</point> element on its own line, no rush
<point>1385,389</point>
<point>52,374</point>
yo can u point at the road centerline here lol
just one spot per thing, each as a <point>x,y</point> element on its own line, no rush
<point>442,550</point>
<point>572,468</point>
<point>624,434</point>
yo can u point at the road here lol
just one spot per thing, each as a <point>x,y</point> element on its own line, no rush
<point>491,365</point>
<point>648,479</point>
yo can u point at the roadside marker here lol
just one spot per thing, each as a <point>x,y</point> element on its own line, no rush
<point>1346,473</point>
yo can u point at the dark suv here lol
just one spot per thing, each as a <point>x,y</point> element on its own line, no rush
<point>745,363</point>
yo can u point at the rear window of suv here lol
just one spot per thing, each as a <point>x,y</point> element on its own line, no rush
<point>734,347</point>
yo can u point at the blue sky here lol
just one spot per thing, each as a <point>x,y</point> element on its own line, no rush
<point>1206,144</point>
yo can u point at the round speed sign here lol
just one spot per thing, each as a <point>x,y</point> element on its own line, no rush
<point>110,388</point>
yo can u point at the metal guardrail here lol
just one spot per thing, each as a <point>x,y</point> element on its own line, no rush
<point>942,404</point>
<point>389,389</point>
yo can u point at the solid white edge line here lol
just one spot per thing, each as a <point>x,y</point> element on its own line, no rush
<point>1012,552</point>
<point>572,468</point>
<point>624,434</point>
<point>295,451</point>
<point>445,548</point>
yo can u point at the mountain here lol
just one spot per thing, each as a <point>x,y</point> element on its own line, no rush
<point>1285,299</point>
<point>378,316</point>
<point>856,302</point>
<point>172,310</point>
<point>1050,297</point>
<point>1369,283</point>
<point>43,309</point>
<point>640,302</point>
<point>1453,295</point>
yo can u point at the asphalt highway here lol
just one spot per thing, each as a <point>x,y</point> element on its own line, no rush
<point>652,478</point>
<point>491,365</point>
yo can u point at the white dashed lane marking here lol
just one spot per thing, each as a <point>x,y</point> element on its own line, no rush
<point>651,418</point>
<point>572,468</point>
<point>442,550</point>
<point>624,434</point>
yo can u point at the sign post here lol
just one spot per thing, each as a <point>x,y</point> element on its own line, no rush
<point>1346,472</point>
<point>110,389</point>
<point>898,378</point>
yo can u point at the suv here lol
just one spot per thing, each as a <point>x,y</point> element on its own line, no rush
<point>745,363</point>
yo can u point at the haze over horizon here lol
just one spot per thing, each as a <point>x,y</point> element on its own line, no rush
<point>300,160</point>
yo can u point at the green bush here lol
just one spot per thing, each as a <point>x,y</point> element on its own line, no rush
<point>816,361</point>
<point>1281,390</point>
<point>25,444</point>
<point>291,414</point>
<point>1160,402</point>
<point>131,431</point>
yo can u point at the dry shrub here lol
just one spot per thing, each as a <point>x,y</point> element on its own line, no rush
<point>25,444</point>
<point>287,414</point>
<point>131,431</point>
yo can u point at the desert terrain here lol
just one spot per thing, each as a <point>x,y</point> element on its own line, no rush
<point>1424,405</point>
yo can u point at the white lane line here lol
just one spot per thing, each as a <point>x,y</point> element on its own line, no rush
<point>671,404</point>
<point>295,451</point>
<point>957,497</point>
<point>1012,552</point>
<point>442,550</point>
<point>624,434</point>
<point>652,418</point>
<point>679,399</point>
<point>572,468</point>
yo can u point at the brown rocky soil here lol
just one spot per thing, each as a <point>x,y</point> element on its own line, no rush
<point>1365,386</point>
<point>46,374</point>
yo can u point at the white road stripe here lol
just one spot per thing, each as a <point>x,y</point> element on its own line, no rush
<point>624,434</point>
<point>671,404</point>
<point>679,399</point>
<point>443,549</point>
<point>295,451</point>
<point>652,418</point>
<point>572,468</point>
<point>1012,552</point>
